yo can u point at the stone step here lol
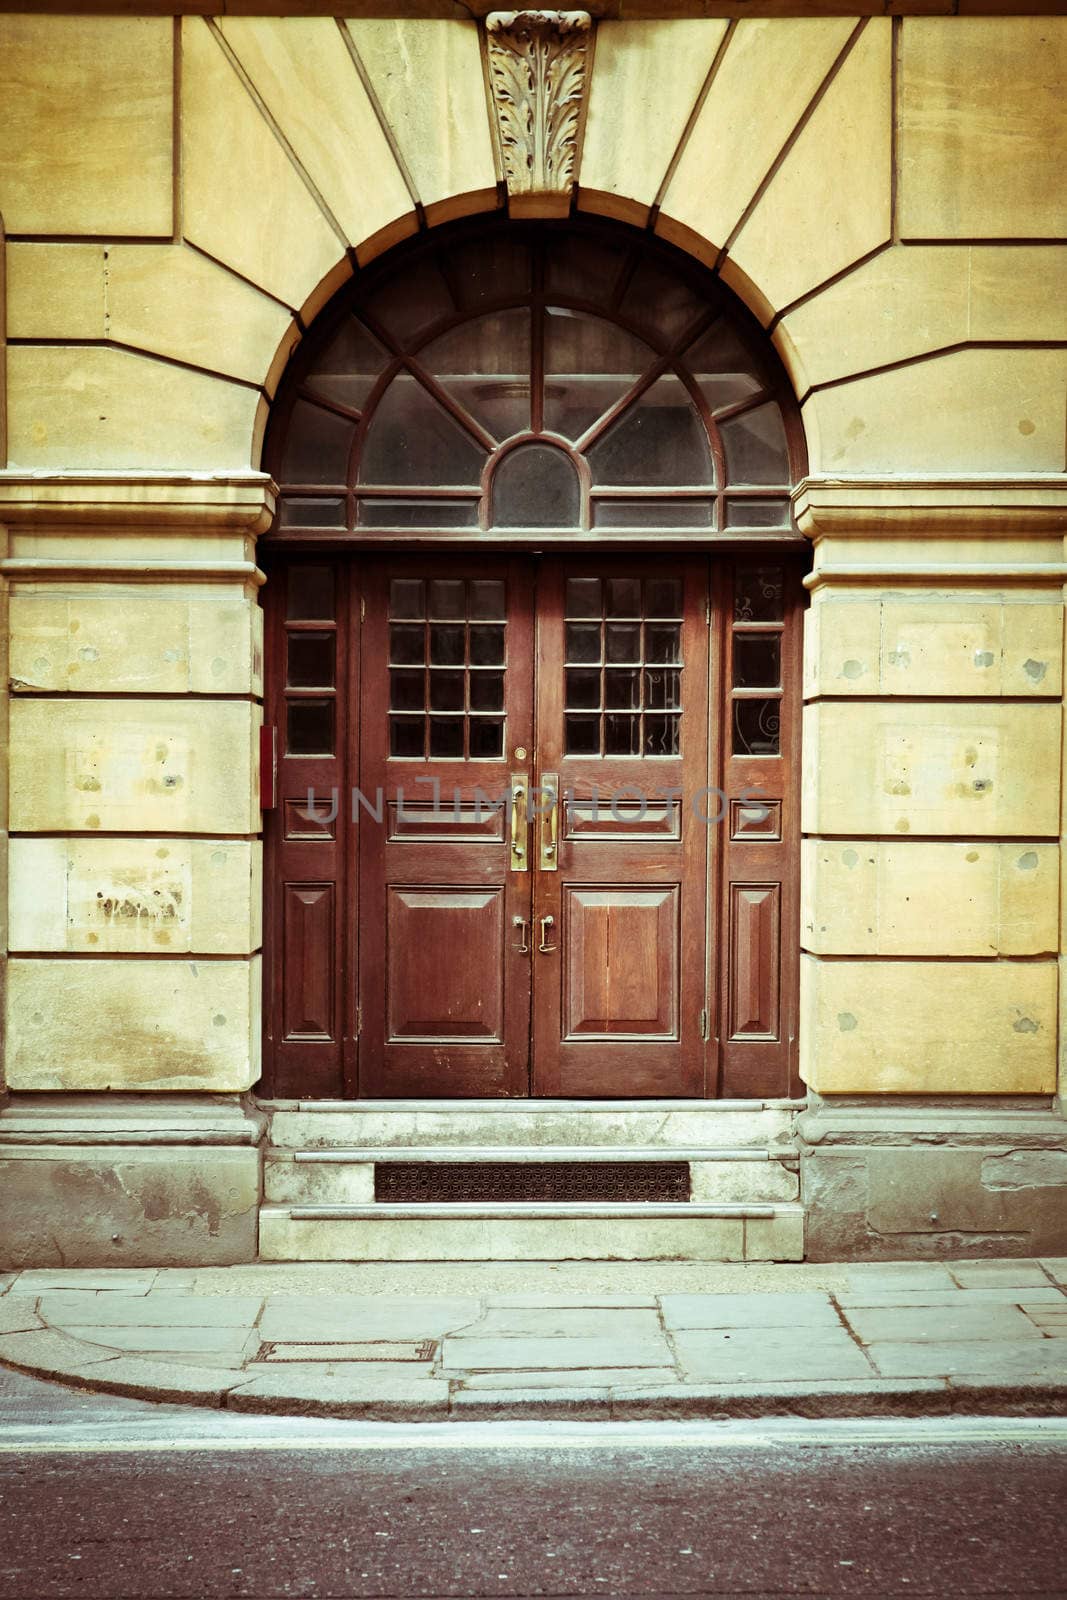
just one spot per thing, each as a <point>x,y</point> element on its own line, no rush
<point>346,1176</point>
<point>533,1232</point>
<point>667,1124</point>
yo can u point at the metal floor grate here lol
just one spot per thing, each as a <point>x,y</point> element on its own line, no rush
<point>437,1182</point>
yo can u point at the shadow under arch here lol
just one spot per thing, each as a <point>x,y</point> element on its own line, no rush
<point>387,358</point>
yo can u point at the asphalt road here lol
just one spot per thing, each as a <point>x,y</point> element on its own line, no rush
<point>102,1497</point>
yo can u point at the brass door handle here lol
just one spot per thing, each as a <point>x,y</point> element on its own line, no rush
<point>520,786</point>
<point>523,946</point>
<point>546,923</point>
<point>548,831</point>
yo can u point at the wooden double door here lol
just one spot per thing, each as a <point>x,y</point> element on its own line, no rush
<point>545,845</point>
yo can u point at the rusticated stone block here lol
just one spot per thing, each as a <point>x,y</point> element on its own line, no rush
<point>98,1205</point>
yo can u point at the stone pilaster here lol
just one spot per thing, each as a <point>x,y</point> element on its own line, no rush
<point>134,899</point>
<point>931,921</point>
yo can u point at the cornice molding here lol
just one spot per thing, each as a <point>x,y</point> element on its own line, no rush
<point>973,507</point>
<point>539,76</point>
<point>240,502</point>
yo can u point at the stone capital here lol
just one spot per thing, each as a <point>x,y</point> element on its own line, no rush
<point>190,502</point>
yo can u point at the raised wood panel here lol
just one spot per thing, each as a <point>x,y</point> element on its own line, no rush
<point>755,947</point>
<point>309,961</point>
<point>760,820</point>
<point>453,820</point>
<point>620,961</point>
<point>444,964</point>
<point>623,819</point>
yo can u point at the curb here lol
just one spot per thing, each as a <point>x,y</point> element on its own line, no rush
<point>224,1389</point>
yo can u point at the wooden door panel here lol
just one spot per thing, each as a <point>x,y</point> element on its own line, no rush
<point>445,964</point>
<point>621,978</point>
<point>447,660</point>
<point>622,722</point>
<point>309,961</point>
<point>754,957</point>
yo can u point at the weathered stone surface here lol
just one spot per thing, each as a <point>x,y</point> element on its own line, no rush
<point>143,641</point>
<point>646,80</point>
<point>98,1023</point>
<point>501,1239</point>
<point>976,410</point>
<point>309,83</point>
<point>158,896</point>
<point>1026,1169</point>
<point>941,1324</point>
<point>777,1238</point>
<point>365,1317</point>
<point>156,1311</point>
<point>982,142</point>
<point>924,898</point>
<point>602,1379</point>
<point>244,201</point>
<point>94,407</point>
<point>85,145</point>
<point>318,1182</point>
<point>164,1381</point>
<point>167,766</point>
<point>228,1346</point>
<point>768,77</point>
<point>1001,1274</point>
<point>928,645</point>
<point>575,1322</point>
<point>470,1352</point>
<point>1007,1359</point>
<point>870,1027</point>
<point>17,1314</point>
<point>829,202</point>
<point>966,769</point>
<point>427,75</point>
<point>749,1311</point>
<point>742,1182</point>
<point>342,1391</point>
<point>755,1354</point>
<point>928,297</point>
<point>166,1206</point>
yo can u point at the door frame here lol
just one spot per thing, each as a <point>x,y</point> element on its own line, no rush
<point>730,1071</point>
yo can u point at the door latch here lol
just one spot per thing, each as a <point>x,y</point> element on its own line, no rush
<point>543,946</point>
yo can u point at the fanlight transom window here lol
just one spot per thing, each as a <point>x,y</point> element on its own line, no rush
<point>552,378</point>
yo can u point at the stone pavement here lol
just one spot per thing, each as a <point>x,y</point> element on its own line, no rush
<point>656,1339</point>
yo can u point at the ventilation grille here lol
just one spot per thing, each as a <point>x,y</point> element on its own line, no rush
<point>440,1182</point>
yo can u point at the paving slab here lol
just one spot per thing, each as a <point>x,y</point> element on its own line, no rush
<point>343,1392</point>
<point>755,1355</point>
<point>237,1342</point>
<point>18,1314</point>
<point>1056,1267</point>
<point>1007,1294</point>
<point>598,1322</point>
<point>996,1361</point>
<point>898,1275</point>
<point>151,1310</point>
<point>506,1354</point>
<point>363,1317</point>
<point>940,1324</point>
<point>163,1380</point>
<point>45,1350</point>
<point>984,1274</point>
<point>560,1302</point>
<point>749,1311</point>
<point>606,1377</point>
<point>87,1280</point>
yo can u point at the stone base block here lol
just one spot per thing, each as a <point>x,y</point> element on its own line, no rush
<point>91,1182</point>
<point>932,1181</point>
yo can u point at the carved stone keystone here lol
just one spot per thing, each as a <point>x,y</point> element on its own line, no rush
<point>538,68</point>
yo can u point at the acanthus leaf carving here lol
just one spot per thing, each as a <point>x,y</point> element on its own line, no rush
<point>538,69</point>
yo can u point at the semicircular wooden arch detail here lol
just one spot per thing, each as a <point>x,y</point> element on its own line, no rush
<point>431,367</point>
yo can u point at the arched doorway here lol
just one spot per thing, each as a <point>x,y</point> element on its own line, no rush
<point>532,639</point>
